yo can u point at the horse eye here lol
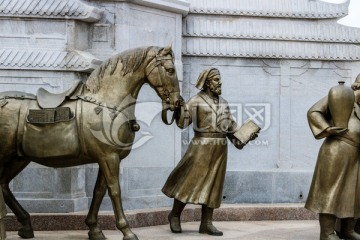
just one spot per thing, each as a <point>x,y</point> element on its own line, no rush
<point>170,70</point>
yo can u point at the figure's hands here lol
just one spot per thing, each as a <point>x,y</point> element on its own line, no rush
<point>238,144</point>
<point>336,130</point>
<point>181,114</point>
<point>180,102</point>
<point>253,136</point>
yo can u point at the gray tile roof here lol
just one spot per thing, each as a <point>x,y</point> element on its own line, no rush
<point>73,9</point>
<point>217,47</point>
<point>12,58</point>
<point>271,8</point>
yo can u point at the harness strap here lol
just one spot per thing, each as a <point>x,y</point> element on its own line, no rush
<point>158,61</point>
<point>80,126</point>
<point>24,107</point>
<point>165,94</point>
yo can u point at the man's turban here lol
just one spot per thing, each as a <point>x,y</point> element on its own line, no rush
<point>206,74</point>
<point>356,84</point>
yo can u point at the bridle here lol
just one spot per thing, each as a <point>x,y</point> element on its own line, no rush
<point>158,62</point>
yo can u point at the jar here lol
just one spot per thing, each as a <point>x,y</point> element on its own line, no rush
<point>341,100</point>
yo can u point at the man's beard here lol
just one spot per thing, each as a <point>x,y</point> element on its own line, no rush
<point>215,89</point>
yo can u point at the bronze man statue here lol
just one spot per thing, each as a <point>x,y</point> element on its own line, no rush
<point>335,188</point>
<point>199,176</point>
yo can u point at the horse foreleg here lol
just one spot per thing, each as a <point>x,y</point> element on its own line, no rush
<point>110,169</point>
<point>13,168</point>
<point>91,221</point>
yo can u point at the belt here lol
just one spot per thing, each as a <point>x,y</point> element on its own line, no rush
<point>348,141</point>
<point>210,135</point>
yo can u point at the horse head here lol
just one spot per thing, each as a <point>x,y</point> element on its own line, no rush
<point>161,75</point>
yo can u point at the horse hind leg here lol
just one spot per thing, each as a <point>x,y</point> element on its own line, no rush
<point>91,221</point>
<point>13,168</point>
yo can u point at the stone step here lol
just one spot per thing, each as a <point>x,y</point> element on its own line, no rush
<point>158,216</point>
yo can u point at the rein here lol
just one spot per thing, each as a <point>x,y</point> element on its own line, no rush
<point>166,107</point>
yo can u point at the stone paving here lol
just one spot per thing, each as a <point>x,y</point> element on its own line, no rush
<point>252,230</point>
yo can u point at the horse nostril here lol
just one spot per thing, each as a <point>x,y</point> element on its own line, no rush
<point>134,126</point>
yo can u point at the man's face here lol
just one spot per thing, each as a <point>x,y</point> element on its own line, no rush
<point>357,95</point>
<point>214,84</point>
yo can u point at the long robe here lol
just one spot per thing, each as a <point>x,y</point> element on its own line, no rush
<point>199,176</point>
<point>335,187</point>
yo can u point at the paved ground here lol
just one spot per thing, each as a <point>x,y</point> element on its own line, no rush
<point>250,230</point>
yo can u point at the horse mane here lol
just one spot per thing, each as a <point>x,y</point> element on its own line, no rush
<point>131,60</point>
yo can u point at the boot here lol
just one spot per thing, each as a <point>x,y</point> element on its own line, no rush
<point>174,216</point>
<point>327,225</point>
<point>357,226</point>
<point>206,225</point>
<point>2,230</point>
<point>347,229</point>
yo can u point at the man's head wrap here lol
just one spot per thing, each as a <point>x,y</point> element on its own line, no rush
<point>206,74</point>
<point>356,84</point>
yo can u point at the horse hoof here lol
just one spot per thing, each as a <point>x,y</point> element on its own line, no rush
<point>26,233</point>
<point>98,235</point>
<point>132,237</point>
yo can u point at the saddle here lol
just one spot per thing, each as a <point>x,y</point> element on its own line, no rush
<point>49,125</point>
<point>47,99</point>
<point>49,104</point>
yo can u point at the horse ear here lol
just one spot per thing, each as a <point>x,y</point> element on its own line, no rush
<point>166,50</point>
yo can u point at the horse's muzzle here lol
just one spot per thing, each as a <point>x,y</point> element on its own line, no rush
<point>172,103</point>
<point>174,100</point>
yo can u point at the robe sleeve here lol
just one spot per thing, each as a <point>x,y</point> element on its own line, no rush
<point>319,118</point>
<point>233,125</point>
<point>225,117</point>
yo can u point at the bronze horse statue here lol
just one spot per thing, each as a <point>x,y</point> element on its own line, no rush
<point>69,123</point>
